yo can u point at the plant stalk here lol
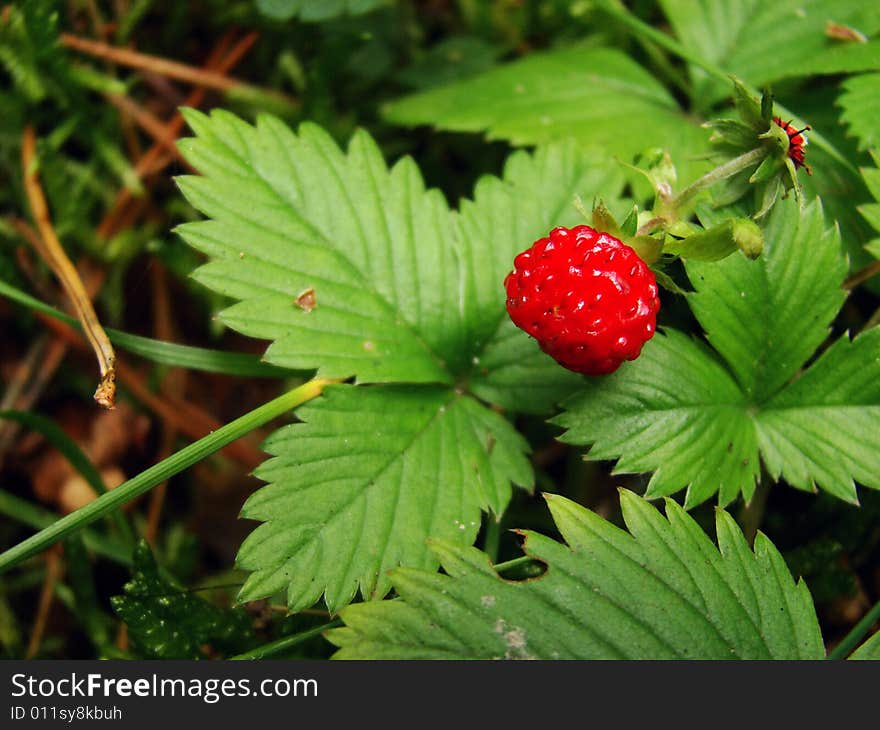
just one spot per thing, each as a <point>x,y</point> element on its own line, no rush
<point>158,473</point>
<point>722,172</point>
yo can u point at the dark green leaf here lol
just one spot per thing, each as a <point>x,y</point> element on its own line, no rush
<point>663,591</point>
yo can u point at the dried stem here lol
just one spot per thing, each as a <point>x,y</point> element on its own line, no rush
<point>185,417</point>
<point>156,158</point>
<point>861,276</point>
<point>53,572</point>
<point>146,62</point>
<point>173,385</point>
<point>54,255</point>
<point>152,125</point>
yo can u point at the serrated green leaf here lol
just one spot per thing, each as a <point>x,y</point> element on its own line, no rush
<point>763,41</point>
<point>375,247</point>
<point>316,10</point>
<point>371,474</point>
<point>824,428</point>
<point>860,102</point>
<point>597,96</point>
<point>678,412</point>
<point>167,623</point>
<point>664,591</point>
<point>767,316</point>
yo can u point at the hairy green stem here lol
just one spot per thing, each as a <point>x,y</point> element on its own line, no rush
<point>722,172</point>
<point>160,472</point>
<point>852,639</point>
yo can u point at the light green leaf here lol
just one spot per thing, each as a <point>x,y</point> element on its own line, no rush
<point>825,427</point>
<point>767,316</point>
<point>860,102</point>
<point>661,591</point>
<point>839,58</point>
<point>678,411</point>
<point>763,41</point>
<point>371,474</point>
<point>316,10</point>
<point>597,96</point>
<point>372,243</point>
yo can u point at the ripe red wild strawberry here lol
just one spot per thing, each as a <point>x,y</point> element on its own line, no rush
<point>586,297</point>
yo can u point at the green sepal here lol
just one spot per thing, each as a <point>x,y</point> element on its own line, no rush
<point>732,189</point>
<point>604,221</point>
<point>770,167</point>
<point>667,282</point>
<point>767,106</point>
<point>631,223</point>
<point>766,196</point>
<point>647,247</point>
<point>731,132</point>
<point>776,139</point>
<point>750,111</point>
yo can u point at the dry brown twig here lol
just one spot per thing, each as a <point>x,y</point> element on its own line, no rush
<point>146,62</point>
<point>52,252</point>
<point>157,157</point>
<point>47,593</point>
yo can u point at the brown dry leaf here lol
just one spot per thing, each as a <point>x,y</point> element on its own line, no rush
<point>104,437</point>
<point>76,492</point>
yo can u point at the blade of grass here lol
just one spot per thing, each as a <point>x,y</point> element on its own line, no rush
<point>165,353</point>
<point>39,518</point>
<point>158,473</point>
<point>276,647</point>
<point>852,639</point>
<point>71,451</point>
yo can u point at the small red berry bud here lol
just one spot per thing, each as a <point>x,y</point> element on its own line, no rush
<point>586,297</point>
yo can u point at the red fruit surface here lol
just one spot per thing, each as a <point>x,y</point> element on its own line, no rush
<point>586,297</point>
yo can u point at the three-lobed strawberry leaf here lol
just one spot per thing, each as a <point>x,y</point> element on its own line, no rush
<point>661,591</point>
<point>356,270</point>
<point>702,420</point>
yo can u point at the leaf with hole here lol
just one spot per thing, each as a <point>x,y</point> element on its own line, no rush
<point>660,591</point>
